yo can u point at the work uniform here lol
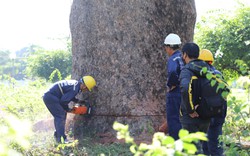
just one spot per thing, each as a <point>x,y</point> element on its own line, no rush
<point>213,147</point>
<point>187,77</point>
<point>56,99</point>
<point>173,100</point>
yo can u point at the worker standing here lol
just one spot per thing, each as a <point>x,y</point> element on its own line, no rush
<point>213,146</point>
<point>189,117</point>
<point>59,96</point>
<point>172,44</point>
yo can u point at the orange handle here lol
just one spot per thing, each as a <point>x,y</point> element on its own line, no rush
<point>80,110</point>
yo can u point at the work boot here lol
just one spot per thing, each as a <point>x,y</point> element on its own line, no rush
<point>55,135</point>
<point>59,140</point>
<point>66,141</point>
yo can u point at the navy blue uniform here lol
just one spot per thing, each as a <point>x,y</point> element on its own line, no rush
<point>56,99</point>
<point>213,146</point>
<point>173,100</point>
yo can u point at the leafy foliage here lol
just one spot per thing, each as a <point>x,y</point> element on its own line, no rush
<point>227,37</point>
<point>237,126</point>
<point>161,144</point>
<point>26,103</point>
<point>15,63</point>
<point>14,136</point>
<point>20,105</point>
<point>4,55</point>
<point>217,79</point>
<point>43,63</point>
<point>236,129</point>
<point>55,76</point>
<point>23,101</point>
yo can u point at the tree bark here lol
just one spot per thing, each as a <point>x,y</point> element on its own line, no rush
<point>120,43</point>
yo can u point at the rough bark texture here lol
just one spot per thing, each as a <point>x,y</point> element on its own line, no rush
<point>120,43</point>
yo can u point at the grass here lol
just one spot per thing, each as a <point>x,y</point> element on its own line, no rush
<point>44,144</point>
<point>26,103</point>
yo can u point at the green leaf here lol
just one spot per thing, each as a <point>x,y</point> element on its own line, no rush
<point>168,141</point>
<point>237,118</point>
<point>190,148</point>
<point>213,82</point>
<point>201,136</point>
<point>224,94</point>
<point>183,133</point>
<point>116,125</point>
<point>237,109</point>
<point>222,85</point>
<point>129,139</point>
<point>204,70</point>
<point>133,148</point>
<point>209,76</point>
<point>158,151</point>
<point>143,147</point>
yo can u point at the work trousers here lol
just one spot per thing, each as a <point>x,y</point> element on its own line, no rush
<point>53,104</point>
<point>197,127</point>
<point>213,147</point>
<point>173,109</point>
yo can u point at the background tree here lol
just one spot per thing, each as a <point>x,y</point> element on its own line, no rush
<point>4,61</point>
<point>43,63</point>
<point>120,43</point>
<point>4,55</point>
<point>14,63</point>
<point>227,35</point>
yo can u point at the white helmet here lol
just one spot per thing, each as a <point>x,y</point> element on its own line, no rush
<point>172,39</point>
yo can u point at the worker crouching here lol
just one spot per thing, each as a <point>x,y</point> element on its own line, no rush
<point>59,96</point>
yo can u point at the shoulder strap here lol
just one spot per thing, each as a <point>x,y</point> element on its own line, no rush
<point>196,87</point>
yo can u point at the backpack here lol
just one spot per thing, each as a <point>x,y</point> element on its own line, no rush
<point>210,95</point>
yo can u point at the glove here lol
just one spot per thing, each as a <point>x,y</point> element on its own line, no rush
<point>79,110</point>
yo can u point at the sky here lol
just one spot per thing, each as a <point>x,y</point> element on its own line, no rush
<point>26,22</point>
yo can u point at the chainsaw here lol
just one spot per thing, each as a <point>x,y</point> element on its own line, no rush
<point>82,108</point>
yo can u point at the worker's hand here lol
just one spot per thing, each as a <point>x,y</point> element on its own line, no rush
<point>82,102</point>
<point>194,115</point>
<point>71,105</point>
<point>170,89</point>
<point>196,106</point>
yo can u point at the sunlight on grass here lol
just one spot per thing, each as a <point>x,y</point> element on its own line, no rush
<point>25,103</point>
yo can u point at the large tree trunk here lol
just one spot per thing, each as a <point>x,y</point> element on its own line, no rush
<point>120,43</point>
